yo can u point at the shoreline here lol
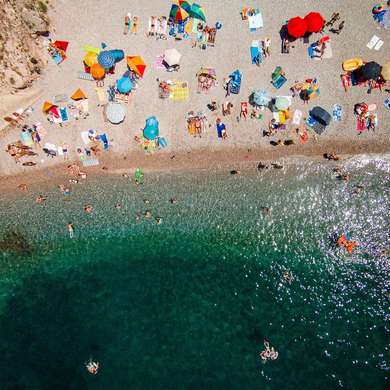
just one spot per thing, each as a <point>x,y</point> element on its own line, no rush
<point>194,160</point>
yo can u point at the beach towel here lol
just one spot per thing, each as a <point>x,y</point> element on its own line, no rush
<point>328,53</point>
<point>85,137</point>
<point>337,112</point>
<point>102,95</point>
<point>378,45</point>
<point>162,27</point>
<point>60,151</point>
<point>360,125</point>
<point>255,21</point>
<point>297,117</point>
<point>26,138</point>
<point>104,139</point>
<point>62,98</point>
<point>152,26</point>
<point>179,91</point>
<point>256,58</point>
<point>158,64</point>
<point>92,49</point>
<point>64,114</point>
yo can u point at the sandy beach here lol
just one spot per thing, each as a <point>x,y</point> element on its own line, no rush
<point>102,21</point>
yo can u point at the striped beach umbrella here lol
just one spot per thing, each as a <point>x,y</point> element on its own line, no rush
<point>106,60</point>
<point>185,5</point>
<point>198,12</point>
<point>115,113</point>
<point>178,13</point>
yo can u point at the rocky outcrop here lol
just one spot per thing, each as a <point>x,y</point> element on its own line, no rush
<point>21,49</point>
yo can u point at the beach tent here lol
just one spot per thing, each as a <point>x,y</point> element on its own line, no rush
<point>136,64</point>
<point>297,27</point>
<point>315,22</point>
<point>198,12</point>
<point>386,71</point>
<point>282,103</point>
<point>151,130</point>
<point>90,59</point>
<point>79,95</point>
<point>115,112</point>
<point>261,98</point>
<point>370,71</point>
<point>124,85</point>
<point>47,106</point>
<point>97,71</point>
<point>172,57</point>
<point>177,13</point>
<point>320,115</point>
<point>106,60</point>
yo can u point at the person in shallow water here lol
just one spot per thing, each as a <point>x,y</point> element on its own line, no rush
<point>88,209</point>
<point>92,367</point>
<point>69,226</point>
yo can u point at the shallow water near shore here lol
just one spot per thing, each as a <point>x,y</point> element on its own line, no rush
<point>188,303</point>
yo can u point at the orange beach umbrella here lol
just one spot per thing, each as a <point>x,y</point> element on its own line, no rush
<point>79,95</point>
<point>136,64</point>
<point>47,106</point>
<point>97,71</point>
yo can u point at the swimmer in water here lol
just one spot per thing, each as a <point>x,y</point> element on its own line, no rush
<point>173,200</point>
<point>235,172</point>
<point>260,166</point>
<point>88,209</point>
<point>287,276</point>
<point>40,199</point>
<point>69,226</point>
<point>148,214</point>
<point>137,217</point>
<point>158,221</point>
<point>117,205</point>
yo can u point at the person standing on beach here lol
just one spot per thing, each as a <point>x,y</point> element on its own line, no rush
<point>70,229</point>
<point>127,24</point>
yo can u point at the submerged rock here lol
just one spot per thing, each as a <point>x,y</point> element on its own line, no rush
<point>14,242</point>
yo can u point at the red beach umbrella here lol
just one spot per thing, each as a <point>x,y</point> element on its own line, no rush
<point>315,22</point>
<point>297,27</point>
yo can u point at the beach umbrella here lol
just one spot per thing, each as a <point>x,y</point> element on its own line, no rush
<point>297,27</point>
<point>115,112</point>
<point>136,64</point>
<point>261,98</point>
<point>185,5</point>
<point>106,60</point>
<point>178,13</point>
<point>320,115</point>
<point>78,95</point>
<point>124,85</point>
<point>197,12</point>
<point>370,71</point>
<point>97,71</point>
<point>118,54</point>
<point>282,103</point>
<point>151,130</point>
<point>90,58</point>
<point>47,106</point>
<point>315,22</point>
<point>386,71</point>
<point>172,57</point>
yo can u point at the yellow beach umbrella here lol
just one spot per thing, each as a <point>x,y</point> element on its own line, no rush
<point>90,58</point>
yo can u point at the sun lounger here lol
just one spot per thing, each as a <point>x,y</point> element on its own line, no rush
<point>63,98</point>
<point>85,76</point>
<point>90,162</point>
<point>373,41</point>
<point>102,95</point>
<point>153,23</point>
<point>378,45</point>
<point>162,27</point>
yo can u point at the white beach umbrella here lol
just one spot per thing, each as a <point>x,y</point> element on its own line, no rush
<point>172,57</point>
<point>115,113</point>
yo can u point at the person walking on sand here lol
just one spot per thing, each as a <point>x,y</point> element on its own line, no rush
<point>70,229</point>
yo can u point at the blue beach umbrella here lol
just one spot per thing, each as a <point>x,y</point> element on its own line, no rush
<point>151,130</point>
<point>106,60</point>
<point>118,54</point>
<point>124,85</point>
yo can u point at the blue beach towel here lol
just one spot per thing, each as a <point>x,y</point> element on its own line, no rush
<point>64,114</point>
<point>337,112</point>
<point>104,139</point>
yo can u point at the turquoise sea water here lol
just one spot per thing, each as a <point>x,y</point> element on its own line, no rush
<point>187,304</point>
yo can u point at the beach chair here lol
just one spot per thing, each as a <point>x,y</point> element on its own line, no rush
<point>152,28</point>
<point>179,91</point>
<point>162,28</point>
<point>102,95</point>
<point>278,78</point>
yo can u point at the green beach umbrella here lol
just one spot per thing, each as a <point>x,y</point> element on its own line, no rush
<point>197,12</point>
